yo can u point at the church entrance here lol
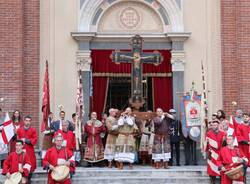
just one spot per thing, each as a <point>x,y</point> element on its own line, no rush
<point>112,86</point>
<point>119,91</point>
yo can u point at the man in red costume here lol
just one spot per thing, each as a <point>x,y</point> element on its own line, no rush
<point>93,129</point>
<point>69,140</point>
<point>230,157</point>
<point>243,136</point>
<point>214,139</point>
<point>238,118</point>
<point>28,135</point>
<point>58,155</point>
<point>17,161</point>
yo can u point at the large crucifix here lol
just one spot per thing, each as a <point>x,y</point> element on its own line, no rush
<point>137,58</point>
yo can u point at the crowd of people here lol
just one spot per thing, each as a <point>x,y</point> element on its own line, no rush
<point>227,147</point>
<point>122,138</point>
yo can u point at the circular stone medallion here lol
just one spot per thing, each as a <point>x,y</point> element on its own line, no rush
<point>130,18</point>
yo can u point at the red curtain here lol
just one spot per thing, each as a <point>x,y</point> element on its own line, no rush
<point>162,93</point>
<point>100,88</point>
<point>162,86</point>
<point>101,63</point>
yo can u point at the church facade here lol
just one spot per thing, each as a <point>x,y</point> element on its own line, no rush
<point>80,35</point>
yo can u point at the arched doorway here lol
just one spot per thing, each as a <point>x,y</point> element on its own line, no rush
<point>109,25</point>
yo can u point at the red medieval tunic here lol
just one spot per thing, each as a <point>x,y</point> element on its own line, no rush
<point>214,145</point>
<point>94,151</point>
<point>228,159</point>
<point>12,143</point>
<point>30,136</point>
<point>243,137</point>
<point>69,139</point>
<point>57,157</point>
<point>14,161</point>
<point>237,122</point>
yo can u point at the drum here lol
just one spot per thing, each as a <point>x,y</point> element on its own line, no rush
<point>235,172</point>
<point>15,178</point>
<point>60,173</point>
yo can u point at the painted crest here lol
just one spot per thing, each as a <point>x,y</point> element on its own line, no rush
<point>191,115</point>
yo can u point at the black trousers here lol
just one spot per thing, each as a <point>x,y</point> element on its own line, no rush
<point>29,178</point>
<point>176,146</point>
<point>190,151</point>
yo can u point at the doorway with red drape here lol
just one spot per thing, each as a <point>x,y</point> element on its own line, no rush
<point>103,68</point>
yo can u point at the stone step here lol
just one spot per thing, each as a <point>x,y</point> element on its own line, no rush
<point>134,180</point>
<point>139,174</point>
<point>132,173</point>
<point>200,159</point>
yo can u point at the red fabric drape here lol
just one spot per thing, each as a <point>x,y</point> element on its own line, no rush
<point>101,63</point>
<point>162,93</point>
<point>100,87</point>
<point>162,86</point>
<point>45,100</point>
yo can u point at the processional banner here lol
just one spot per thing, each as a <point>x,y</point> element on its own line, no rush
<point>191,116</point>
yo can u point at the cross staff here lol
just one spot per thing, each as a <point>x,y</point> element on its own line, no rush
<point>137,58</point>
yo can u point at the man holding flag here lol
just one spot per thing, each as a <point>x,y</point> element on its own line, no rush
<point>214,139</point>
<point>29,137</point>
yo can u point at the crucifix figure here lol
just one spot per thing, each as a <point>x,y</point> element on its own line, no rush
<point>137,58</point>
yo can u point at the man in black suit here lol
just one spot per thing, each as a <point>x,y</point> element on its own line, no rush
<point>175,132</point>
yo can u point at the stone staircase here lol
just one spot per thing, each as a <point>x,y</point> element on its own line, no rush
<point>140,174</point>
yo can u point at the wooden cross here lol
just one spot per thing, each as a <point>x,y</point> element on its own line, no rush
<point>137,58</point>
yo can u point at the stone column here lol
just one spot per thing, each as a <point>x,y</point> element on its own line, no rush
<point>83,60</point>
<point>178,66</point>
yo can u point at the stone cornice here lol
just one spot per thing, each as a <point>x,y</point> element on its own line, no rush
<point>83,36</point>
<point>164,37</point>
<point>121,37</point>
<point>178,36</point>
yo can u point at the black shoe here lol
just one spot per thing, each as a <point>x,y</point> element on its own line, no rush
<point>178,165</point>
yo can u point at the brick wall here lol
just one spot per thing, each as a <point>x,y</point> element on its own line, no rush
<point>235,29</point>
<point>19,56</point>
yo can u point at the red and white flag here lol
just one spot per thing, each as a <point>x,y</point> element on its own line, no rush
<point>79,107</point>
<point>232,130</point>
<point>45,100</point>
<point>7,130</point>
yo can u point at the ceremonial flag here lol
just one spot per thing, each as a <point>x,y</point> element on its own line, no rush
<point>232,131</point>
<point>79,107</point>
<point>45,100</point>
<point>79,117</point>
<point>8,129</point>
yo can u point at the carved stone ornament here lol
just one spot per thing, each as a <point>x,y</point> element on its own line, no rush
<point>130,18</point>
<point>83,61</point>
<point>178,61</point>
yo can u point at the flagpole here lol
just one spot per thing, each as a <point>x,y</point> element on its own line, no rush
<point>45,111</point>
<point>204,90</point>
<point>205,106</point>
